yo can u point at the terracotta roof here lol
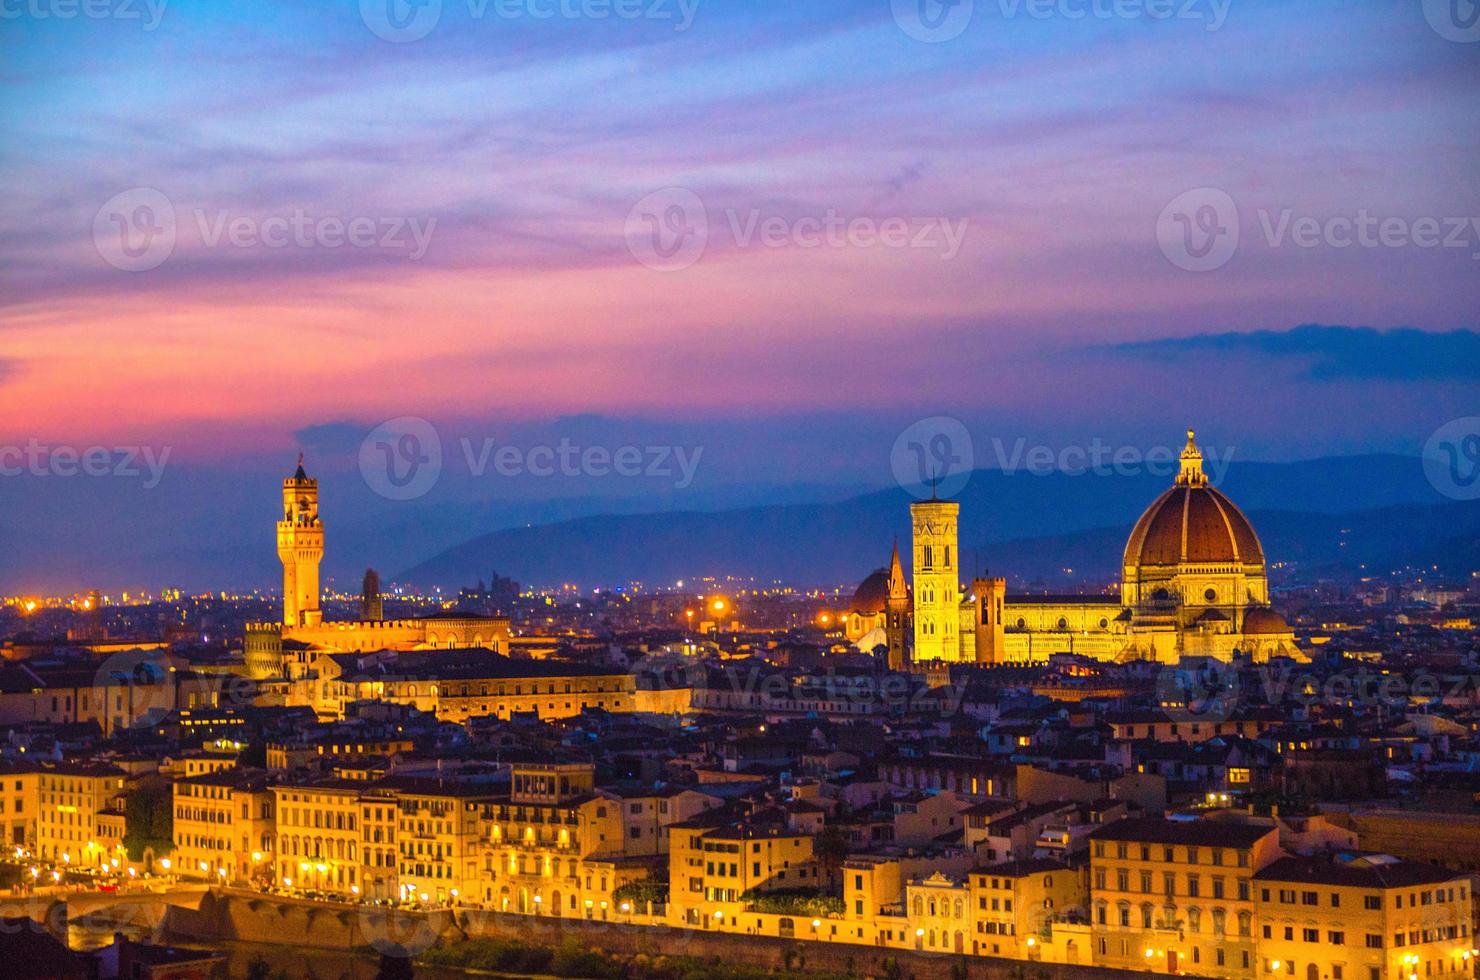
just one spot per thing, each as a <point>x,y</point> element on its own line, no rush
<point>1197,833</point>
<point>1377,871</point>
<point>1195,524</point>
<point>1264,621</point>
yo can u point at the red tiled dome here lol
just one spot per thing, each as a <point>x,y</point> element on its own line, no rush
<point>872,594</point>
<point>1192,523</point>
<point>1262,621</point>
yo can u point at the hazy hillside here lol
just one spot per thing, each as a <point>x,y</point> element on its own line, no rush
<point>1332,514</point>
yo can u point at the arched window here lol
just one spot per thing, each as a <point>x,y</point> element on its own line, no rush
<point>1194,919</point>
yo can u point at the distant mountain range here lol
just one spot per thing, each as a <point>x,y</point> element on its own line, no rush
<point>1340,516</point>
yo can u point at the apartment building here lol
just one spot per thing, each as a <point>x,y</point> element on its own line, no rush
<point>380,860</point>
<point>319,837</point>
<point>79,813</point>
<point>1363,917</point>
<point>713,869</point>
<point>1013,905</point>
<point>547,845</point>
<point>19,786</point>
<point>1177,895</point>
<point>648,813</point>
<point>438,837</point>
<point>224,826</point>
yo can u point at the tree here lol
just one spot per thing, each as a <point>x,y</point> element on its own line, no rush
<point>149,820</point>
<point>831,850</point>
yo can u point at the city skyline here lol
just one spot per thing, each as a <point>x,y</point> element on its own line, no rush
<point>726,489</point>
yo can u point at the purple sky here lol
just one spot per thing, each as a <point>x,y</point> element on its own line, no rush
<point>1029,164</point>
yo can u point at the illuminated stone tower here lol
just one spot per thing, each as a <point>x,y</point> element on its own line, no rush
<point>897,614</point>
<point>937,584</point>
<point>989,598</point>
<point>300,543</point>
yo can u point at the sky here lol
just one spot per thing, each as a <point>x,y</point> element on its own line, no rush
<point>786,232</point>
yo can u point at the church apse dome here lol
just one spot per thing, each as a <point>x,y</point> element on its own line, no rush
<point>1194,548</point>
<point>872,594</point>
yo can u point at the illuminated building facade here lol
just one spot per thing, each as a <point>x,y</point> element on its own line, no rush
<point>1193,583</point>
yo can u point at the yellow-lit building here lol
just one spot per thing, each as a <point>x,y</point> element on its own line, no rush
<point>939,910</point>
<point>555,845</point>
<point>79,810</point>
<point>297,755</point>
<point>438,838</point>
<point>478,684</point>
<point>1014,905</point>
<point>648,813</point>
<point>711,870</point>
<point>1177,895</point>
<point>19,805</point>
<point>1369,917</point>
<point>300,548</point>
<point>380,860</point>
<point>224,827</point>
<point>318,836</point>
<point>1193,582</point>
